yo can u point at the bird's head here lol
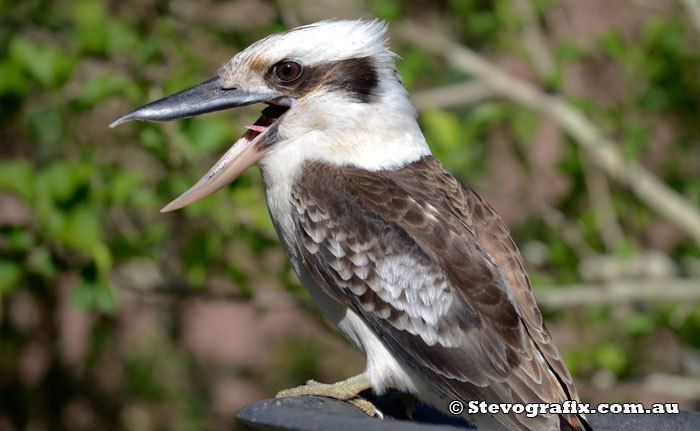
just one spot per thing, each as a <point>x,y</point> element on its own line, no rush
<point>332,92</point>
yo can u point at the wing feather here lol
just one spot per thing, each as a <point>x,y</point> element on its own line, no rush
<point>434,272</point>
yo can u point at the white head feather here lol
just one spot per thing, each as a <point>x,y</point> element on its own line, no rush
<point>330,125</point>
<point>326,41</point>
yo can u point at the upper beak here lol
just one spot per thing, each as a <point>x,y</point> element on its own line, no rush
<point>208,96</point>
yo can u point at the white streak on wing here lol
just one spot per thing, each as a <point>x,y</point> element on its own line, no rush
<point>406,283</point>
<point>315,216</point>
<point>359,259</point>
<point>360,247</point>
<point>362,272</point>
<point>335,248</point>
<point>311,247</point>
<point>431,212</point>
<point>318,235</point>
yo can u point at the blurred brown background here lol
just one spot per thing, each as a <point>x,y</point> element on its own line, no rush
<point>577,119</point>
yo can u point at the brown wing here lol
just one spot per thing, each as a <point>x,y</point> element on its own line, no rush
<point>494,238</point>
<point>401,247</point>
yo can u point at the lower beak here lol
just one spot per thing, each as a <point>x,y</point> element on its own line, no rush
<point>208,96</point>
<point>237,159</point>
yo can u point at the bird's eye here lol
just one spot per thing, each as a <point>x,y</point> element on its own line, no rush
<point>288,71</point>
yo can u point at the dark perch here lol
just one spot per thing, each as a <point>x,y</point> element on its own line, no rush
<point>326,414</point>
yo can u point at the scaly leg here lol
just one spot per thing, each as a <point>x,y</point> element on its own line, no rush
<point>346,390</point>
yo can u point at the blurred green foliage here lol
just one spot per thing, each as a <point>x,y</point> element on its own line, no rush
<point>81,201</point>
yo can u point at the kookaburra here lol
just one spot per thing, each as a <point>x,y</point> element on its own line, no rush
<point>411,265</point>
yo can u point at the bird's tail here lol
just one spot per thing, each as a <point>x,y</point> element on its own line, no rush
<point>574,423</point>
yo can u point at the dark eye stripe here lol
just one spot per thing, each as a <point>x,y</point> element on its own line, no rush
<point>355,76</point>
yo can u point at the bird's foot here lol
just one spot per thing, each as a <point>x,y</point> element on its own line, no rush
<point>346,390</point>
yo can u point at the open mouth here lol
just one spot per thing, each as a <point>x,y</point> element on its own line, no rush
<point>268,117</point>
<point>210,96</point>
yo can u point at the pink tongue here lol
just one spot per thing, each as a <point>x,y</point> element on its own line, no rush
<point>256,128</point>
<point>267,118</point>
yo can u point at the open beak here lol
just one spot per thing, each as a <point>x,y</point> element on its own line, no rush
<point>210,96</point>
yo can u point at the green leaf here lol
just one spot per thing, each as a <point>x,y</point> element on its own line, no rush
<point>10,274</point>
<point>443,128</point>
<point>48,64</point>
<point>102,257</point>
<point>122,186</point>
<point>61,180</point>
<point>413,66</point>
<point>614,45</point>
<point>569,51</point>
<point>636,142</point>
<point>121,37</point>
<point>612,357</point>
<point>94,295</point>
<point>102,87</point>
<point>389,10</point>
<point>19,240</point>
<point>47,127</point>
<point>641,324</point>
<point>106,300</point>
<point>83,296</point>
<point>525,124</point>
<point>12,79</point>
<point>90,19</point>
<point>206,135</point>
<point>153,140</point>
<point>39,262</point>
<point>82,229</point>
<point>98,33</point>
<point>17,177</point>
<point>196,275</point>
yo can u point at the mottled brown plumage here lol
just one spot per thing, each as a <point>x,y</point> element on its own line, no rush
<point>490,344</point>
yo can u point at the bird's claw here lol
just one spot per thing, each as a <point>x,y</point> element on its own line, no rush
<point>347,391</point>
<point>367,407</point>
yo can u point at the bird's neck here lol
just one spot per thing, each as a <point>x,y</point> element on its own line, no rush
<point>382,135</point>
